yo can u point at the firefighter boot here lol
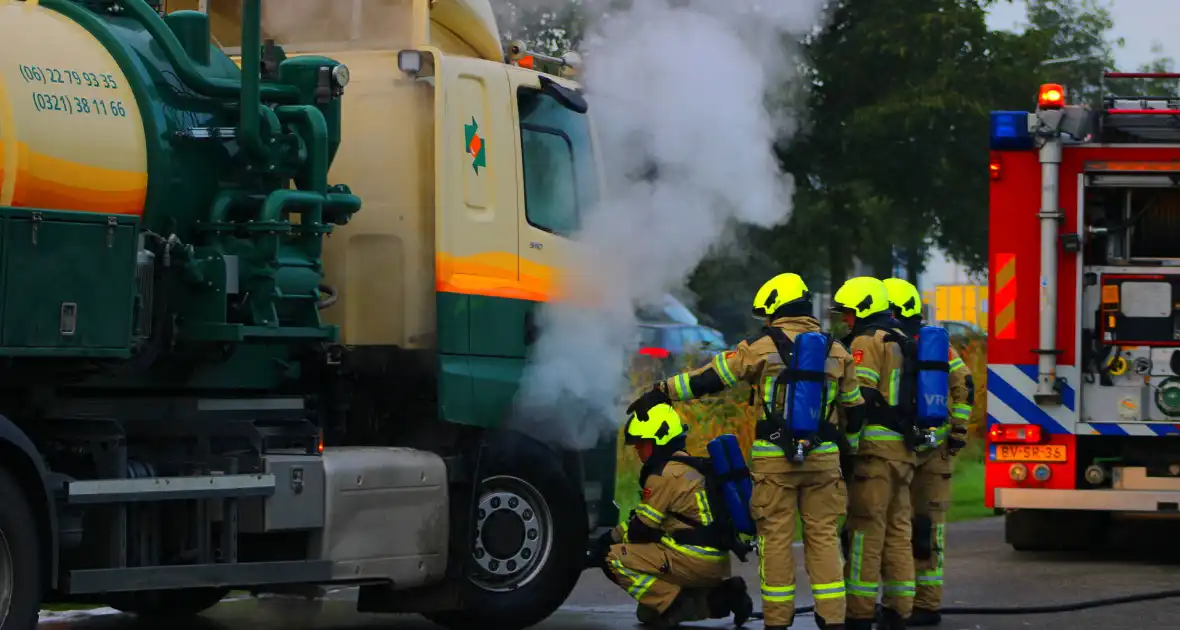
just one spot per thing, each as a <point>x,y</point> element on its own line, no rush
<point>683,608</point>
<point>858,624</point>
<point>890,620</point>
<point>646,614</point>
<point>924,617</point>
<point>822,624</point>
<point>731,598</point>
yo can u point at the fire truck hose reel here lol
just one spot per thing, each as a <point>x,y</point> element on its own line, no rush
<point>1046,609</point>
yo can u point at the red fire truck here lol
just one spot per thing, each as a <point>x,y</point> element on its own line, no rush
<point>1083,382</point>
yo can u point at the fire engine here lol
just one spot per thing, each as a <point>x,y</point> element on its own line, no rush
<point>1083,380</point>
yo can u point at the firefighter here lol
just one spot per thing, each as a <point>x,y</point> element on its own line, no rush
<point>878,527</point>
<point>812,489</point>
<point>666,555</point>
<point>930,493</point>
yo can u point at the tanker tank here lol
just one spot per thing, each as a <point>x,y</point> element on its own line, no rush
<point>157,201</point>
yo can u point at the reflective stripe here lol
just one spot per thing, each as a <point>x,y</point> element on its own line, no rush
<point>899,589</point>
<point>961,411</point>
<point>704,553</point>
<point>721,366</point>
<point>878,433</point>
<point>957,364</point>
<point>869,374</point>
<point>762,449</point>
<point>703,508</point>
<point>856,587</point>
<point>831,590</point>
<point>832,391</point>
<point>929,578</point>
<point>640,582</point>
<point>894,386</point>
<point>853,440</point>
<point>852,397</point>
<point>680,383</point>
<point>651,513</point>
<point>768,391</point>
<point>778,593</point>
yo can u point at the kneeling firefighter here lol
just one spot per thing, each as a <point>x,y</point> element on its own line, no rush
<point>672,555</point>
<point>797,375</point>
<point>878,530</point>
<point>940,382</point>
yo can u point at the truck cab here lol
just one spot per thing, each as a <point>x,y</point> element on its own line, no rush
<point>1083,381</point>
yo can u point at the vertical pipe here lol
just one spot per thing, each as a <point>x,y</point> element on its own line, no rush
<point>249,132</point>
<point>1050,215</point>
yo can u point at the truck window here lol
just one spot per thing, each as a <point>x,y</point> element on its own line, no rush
<point>560,177</point>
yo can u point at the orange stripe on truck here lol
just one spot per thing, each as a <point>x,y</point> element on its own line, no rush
<point>1005,296</point>
<point>50,183</point>
<point>494,274</point>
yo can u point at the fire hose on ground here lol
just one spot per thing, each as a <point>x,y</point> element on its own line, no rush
<point>1034,610</point>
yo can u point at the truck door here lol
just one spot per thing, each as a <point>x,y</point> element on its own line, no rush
<point>481,302</point>
<point>559,182</point>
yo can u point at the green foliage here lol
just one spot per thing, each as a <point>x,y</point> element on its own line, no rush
<point>891,160</point>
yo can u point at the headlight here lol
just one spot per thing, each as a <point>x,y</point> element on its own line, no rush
<point>340,76</point>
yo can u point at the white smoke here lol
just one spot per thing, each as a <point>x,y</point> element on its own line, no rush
<point>680,90</point>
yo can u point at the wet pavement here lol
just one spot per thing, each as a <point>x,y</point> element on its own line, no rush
<point>981,571</point>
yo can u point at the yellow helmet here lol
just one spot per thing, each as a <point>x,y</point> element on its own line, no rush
<point>779,291</point>
<point>864,296</point>
<point>904,297</point>
<point>660,424</point>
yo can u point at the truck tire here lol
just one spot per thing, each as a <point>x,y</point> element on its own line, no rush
<point>20,562</point>
<point>166,604</point>
<point>1053,530</point>
<point>532,531</point>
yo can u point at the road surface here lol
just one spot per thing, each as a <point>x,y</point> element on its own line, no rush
<point>981,571</point>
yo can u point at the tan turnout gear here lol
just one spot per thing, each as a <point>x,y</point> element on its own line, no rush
<point>655,572</point>
<point>813,489</point>
<point>930,494</point>
<point>878,529</point>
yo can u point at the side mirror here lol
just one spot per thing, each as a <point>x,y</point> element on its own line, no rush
<point>570,99</point>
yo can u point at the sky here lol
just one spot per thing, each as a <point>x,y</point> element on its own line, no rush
<point>1140,22</point>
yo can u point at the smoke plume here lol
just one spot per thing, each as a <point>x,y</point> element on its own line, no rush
<point>679,94</point>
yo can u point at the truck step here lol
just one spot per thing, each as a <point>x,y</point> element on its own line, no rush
<point>199,575</point>
<point>169,488</point>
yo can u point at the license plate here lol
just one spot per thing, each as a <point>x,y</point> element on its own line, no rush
<point>1031,453</point>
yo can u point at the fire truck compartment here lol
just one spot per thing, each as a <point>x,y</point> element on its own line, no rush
<point>1131,217</point>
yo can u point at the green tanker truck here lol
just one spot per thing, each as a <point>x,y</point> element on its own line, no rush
<point>220,370</point>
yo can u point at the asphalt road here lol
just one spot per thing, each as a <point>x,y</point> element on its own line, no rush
<point>981,571</point>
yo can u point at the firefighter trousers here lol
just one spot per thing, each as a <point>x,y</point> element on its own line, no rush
<point>654,573</point>
<point>930,496</point>
<point>879,532</point>
<point>819,498</point>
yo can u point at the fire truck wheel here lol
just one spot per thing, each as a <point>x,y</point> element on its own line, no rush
<point>166,604</point>
<point>1053,530</point>
<point>529,541</point>
<point>20,564</point>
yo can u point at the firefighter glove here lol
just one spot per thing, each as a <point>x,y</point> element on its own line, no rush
<point>956,439</point>
<point>596,553</point>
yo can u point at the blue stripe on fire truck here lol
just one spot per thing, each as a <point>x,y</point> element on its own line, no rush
<point>1010,401</point>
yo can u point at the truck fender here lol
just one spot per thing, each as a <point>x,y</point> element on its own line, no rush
<point>21,458</point>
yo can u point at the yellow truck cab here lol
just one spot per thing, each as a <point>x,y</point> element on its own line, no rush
<point>473,171</point>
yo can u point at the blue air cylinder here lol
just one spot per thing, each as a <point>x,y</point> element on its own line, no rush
<point>805,400</point>
<point>730,466</point>
<point>934,349</point>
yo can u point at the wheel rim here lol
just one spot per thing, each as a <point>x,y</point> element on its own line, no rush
<point>513,534</point>
<point>7,578</point>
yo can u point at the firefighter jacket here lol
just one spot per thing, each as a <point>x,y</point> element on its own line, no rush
<point>674,511</point>
<point>756,361</point>
<point>879,366</point>
<point>960,407</point>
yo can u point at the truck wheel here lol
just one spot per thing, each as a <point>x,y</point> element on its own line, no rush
<point>160,604</point>
<point>1053,530</point>
<point>20,562</point>
<point>530,540</point>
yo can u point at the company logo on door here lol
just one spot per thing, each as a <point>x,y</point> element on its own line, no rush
<point>475,145</point>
